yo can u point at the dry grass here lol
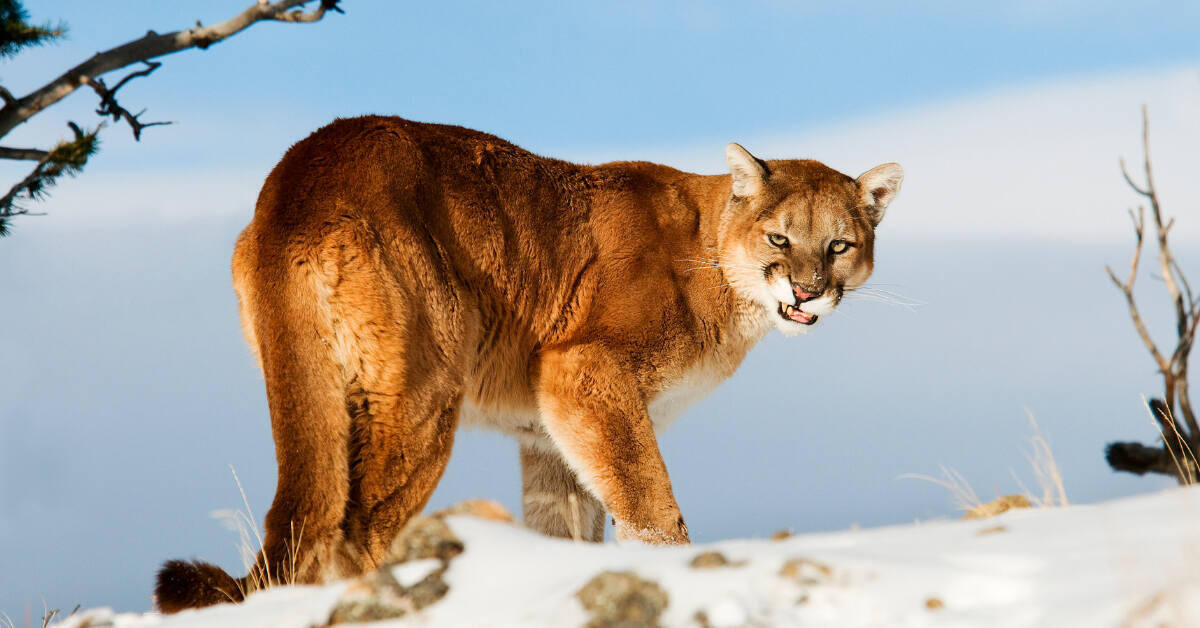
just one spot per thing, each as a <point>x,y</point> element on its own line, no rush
<point>1185,464</point>
<point>250,545</point>
<point>960,490</point>
<point>1041,460</point>
<point>1045,470</point>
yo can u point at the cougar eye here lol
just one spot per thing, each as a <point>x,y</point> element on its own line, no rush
<point>838,246</point>
<point>777,239</point>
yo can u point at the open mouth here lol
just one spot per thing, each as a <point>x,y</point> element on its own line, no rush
<point>796,315</point>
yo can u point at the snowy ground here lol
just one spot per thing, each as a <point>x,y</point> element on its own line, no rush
<point>1132,562</point>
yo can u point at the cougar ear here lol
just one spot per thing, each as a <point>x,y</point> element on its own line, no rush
<point>879,187</point>
<point>748,172</point>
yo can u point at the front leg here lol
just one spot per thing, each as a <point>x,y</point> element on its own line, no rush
<point>596,416</point>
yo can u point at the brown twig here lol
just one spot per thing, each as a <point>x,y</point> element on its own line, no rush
<point>108,100</point>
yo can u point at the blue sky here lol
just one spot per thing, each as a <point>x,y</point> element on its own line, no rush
<point>560,76</point>
<point>129,392</point>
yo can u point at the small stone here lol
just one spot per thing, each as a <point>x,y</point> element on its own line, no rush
<point>991,530</point>
<point>781,535</point>
<point>806,572</point>
<point>709,559</point>
<point>934,604</point>
<point>997,506</point>
<point>622,599</point>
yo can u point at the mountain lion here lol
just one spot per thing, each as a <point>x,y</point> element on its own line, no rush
<point>400,280</point>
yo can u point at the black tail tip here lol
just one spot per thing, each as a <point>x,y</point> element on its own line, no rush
<point>183,584</point>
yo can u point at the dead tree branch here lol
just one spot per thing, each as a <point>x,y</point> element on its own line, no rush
<point>69,156</point>
<point>151,46</point>
<point>110,107</point>
<point>1176,456</point>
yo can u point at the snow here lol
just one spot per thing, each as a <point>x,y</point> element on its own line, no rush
<point>1133,562</point>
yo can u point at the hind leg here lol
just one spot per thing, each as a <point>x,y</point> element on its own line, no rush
<point>304,541</point>
<point>408,337</point>
<point>553,501</point>
<point>402,442</point>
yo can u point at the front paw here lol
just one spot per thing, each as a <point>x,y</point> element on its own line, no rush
<point>674,533</point>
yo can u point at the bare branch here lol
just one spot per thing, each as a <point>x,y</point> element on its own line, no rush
<point>110,107</point>
<point>1129,180</point>
<point>1187,287</point>
<point>1179,444</point>
<point>1126,288</point>
<point>29,154</point>
<point>7,96</point>
<point>150,46</point>
<point>1139,325</point>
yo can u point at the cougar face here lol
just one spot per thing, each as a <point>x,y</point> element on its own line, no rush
<point>798,234</point>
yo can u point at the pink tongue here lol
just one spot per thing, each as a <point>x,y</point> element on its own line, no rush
<point>800,317</point>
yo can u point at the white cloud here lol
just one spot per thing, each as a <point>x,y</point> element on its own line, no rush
<point>1035,161</point>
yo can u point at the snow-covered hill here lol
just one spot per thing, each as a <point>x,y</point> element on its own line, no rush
<point>1132,562</point>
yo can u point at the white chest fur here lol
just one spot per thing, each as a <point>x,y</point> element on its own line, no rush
<point>664,407</point>
<point>667,405</point>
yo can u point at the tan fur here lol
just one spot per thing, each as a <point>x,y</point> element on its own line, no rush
<point>398,276</point>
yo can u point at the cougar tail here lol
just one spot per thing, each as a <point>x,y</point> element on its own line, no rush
<point>182,584</point>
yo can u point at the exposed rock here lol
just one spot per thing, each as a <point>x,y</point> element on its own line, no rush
<point>934,604</point>
<point>622,599</point>
<point>424,537</point>
<point>781,535</point>
<point>806,572</point>
<point>429,590</point>
<point>997,506</point>
<point>372,597</point>
<point>707,560</point>
<point>379,595</point>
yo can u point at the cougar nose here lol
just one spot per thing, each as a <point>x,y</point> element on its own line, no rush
<point>803,295</point>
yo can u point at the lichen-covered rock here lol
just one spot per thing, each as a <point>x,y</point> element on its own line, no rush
<point>622,599</point>
<point>707,560</point>
<point>379,595</point>
<point>430,589</point>
<point>424,537</point>
<point>997,506</point>
<point>373,597</point>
